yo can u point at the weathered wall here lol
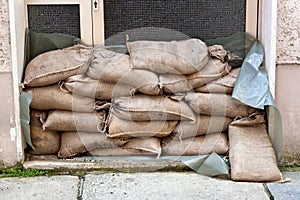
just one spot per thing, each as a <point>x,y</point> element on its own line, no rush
<point>8,150</point>
<point>288,32</point>
<point>288,73</point>
<point>5,61</point>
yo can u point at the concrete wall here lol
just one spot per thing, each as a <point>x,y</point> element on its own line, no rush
<point>8,148</point>
<point>288,75</point>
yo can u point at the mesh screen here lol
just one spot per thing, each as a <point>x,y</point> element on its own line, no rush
<point>54,19</point>
<point>195,18</point>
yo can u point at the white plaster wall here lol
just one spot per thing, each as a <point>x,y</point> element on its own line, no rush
<point>288,32</point>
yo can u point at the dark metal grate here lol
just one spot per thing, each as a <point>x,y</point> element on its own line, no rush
<point>54,19</point>
<point>195,18</point>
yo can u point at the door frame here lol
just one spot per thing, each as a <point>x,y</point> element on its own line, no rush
<point>267,32</point>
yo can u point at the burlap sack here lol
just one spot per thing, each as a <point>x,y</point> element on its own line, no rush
<point>119,152</point>
<point>151,145</point>
<point>177,57</point>
<point>221,85</point>
<point>53,98</point>
<point>44,141</point>
<point>217,104</point>
<point>200,145</point>
<point>114,67</point>
<point>57,65</point>
<point>174,83</point>
<point>62,120</point>
<point>124,128</point>
<point>204,124</point>
<point>251,154</point>
<point>74,143</point>
<point>86,86</point>
<point>148,108</point>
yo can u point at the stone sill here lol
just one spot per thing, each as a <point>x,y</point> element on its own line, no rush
<point>89,163</point>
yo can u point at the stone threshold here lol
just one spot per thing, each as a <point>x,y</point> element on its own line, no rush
<point>90,163</point>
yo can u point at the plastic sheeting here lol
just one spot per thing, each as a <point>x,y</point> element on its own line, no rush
<point>25,100</point>
<point>37,43</point>
<point>252,85</point>
<point>252,88</point>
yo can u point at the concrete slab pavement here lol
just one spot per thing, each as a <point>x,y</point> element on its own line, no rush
<point>155,185</point>
<point>167,186</point>
<point>286,191</point>
<point>55,187</point>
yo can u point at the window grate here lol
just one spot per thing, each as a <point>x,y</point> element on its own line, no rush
<point>54,19</point>
<point>195,18</point>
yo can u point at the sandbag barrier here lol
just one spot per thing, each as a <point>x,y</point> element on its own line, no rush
<point>164,98</point>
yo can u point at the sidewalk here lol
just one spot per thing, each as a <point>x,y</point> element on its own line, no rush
<point>155,185</point>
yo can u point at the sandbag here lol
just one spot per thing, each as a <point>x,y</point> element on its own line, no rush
<point>57,65</point>
<point>200,145</point>
<point>174,83</point>
<point>176,57</point>
<point>62,120</point>
<point>86,86</point>
<point>217,104</point>
<point>123,128</point>
<point>205,124</point>
<point>114,67</point>
<point>44,141</point>
<point>221,85</point>
<point>53,98</point>
<point>119,152</point>
<point>251,154</point>
<point>147,108</point>
<point>151,145</point>
<point>135,146</point>
<point>74,143</point>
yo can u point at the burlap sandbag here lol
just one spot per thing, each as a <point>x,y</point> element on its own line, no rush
<point>57,65</point>
<point>114,67</point>
<point>200,145</point>
<point>124,128</point>
<point>44,141</point>
<point>119,152</point>
<point>147,108</point>
<point>74,143</point>
<point>251,154</point>
<point>53,98</point>
<point>151,145</point>
<point>176,57</point>
<point>217,104</point>
<point>62,120</point>
<point>204,124</point>
<point>86,86</point>
<point>221,85</point>
<point>174,83</point>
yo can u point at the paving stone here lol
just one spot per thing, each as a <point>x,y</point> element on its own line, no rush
<point>56,187</point>
<point>167,186</point>
<point>286,191</point>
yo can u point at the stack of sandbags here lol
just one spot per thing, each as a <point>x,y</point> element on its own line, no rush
<point>147,117</point>
<point>74,105</point>
<point>169,98</point>
<point>59,117</point>
<point>110,76</point>
<point>181,66</point>
<point>215,109</point>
